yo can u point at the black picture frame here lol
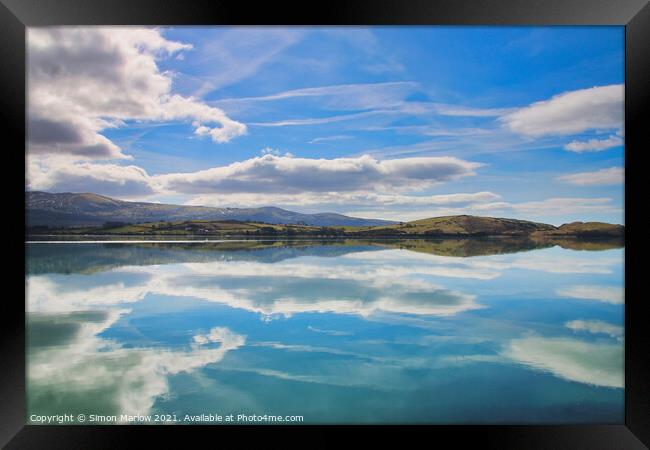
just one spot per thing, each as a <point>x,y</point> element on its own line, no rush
<point>16,15</point>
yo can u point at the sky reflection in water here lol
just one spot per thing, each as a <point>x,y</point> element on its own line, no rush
<point>348,332</point>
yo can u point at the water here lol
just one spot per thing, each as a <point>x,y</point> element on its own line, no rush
<point>461,331</point>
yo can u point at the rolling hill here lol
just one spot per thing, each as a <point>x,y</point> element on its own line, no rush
<point>91,210</point>
<point>94,214</point>
<point>476,226</point>
<point>464,225</point>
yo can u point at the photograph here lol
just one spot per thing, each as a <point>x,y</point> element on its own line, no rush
<point>342,225</point>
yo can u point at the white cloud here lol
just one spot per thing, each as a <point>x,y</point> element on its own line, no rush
<point>326,199</point>
<point>340,97</point>
<point>466,111</point>
<point>556,206</point>
<point>594,145</point>
<point>613,175</point>
<point>550,207</point>
<point>338,137</point>
<point>571,359</point>
<point>596,327</point>
<point>63,174</point>
<point>267,179</point>
<point>607,294</point>
<point>238,53</point>
<point>82,80</point>
<point>596,108</point>
<point>375,57</point>
<point>394,107</point>
<point>327,120</point>
<point>288,175</point>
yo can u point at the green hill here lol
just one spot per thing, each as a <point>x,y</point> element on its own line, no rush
<point>467,226</point>
<point>438,227</point>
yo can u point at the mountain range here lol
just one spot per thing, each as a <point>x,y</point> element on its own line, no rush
<point>92,214</point>
<point>87,210</point>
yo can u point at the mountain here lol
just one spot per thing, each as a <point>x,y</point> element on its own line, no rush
<point>87,210</point>
<point>92,213</point>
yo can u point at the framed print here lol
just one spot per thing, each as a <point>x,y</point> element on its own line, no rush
<point>367,216</point>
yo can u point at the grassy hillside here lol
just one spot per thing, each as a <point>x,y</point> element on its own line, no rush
<point>590,228</point>
<point>194,228</point>
<point>468,226</point>
<point>438,227</point>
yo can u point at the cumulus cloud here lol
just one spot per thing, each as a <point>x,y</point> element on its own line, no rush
<point>571,359</point>
<point>282,174</point>
<point>613,175</point>
<point>267,179</point>
<point>82,80</point>
<point>607,294</point>
<point>594,145</point>
<point>66,175</point>
<point>596,108</point>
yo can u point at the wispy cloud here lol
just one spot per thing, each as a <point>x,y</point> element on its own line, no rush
<point>377,59</point>
<point>341,97</point>
<point>329,200</point>
<point>547,208</point>
<point>594,145</point>
<point>399,109</point>
<point>223,58</point>
<point>339,137</point>
<point>613,175</point>
<point>326,120</point>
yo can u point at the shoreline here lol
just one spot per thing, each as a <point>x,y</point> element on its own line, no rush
<point>178,238</point>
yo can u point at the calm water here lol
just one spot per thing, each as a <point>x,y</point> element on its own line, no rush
<point>337,332</point>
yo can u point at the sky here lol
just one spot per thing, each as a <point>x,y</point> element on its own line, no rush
<point>397,123</point>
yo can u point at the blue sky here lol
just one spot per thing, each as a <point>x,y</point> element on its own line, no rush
<point>390,122</point>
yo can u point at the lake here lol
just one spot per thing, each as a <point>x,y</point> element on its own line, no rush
<point>447,331</point>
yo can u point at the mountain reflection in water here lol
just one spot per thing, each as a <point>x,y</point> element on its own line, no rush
<point>428,331</point>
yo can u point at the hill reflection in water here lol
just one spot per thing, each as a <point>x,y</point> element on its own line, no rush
<point>428,331</point>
